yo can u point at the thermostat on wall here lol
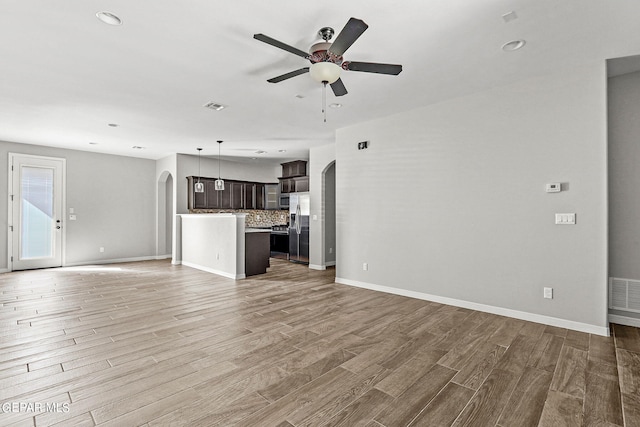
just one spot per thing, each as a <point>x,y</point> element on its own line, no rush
<point>553,187</point>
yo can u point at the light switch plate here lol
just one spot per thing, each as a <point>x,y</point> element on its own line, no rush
<point>565,218</point>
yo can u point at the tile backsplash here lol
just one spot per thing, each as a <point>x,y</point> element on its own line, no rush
<point>254,218</point>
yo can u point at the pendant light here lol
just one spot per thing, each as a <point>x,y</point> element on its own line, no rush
<point>199,187</point>
<point>219,184</point>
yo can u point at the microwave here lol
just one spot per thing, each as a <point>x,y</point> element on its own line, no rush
<point>284,201</point>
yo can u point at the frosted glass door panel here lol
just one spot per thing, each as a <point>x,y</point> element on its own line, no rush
<point>37,216</point>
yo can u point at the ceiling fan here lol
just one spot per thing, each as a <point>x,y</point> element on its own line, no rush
<point>326,57</point>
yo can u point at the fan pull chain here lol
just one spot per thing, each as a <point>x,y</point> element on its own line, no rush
<point>324,100</point>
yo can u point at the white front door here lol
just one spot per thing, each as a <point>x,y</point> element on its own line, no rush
<point>36,186</point>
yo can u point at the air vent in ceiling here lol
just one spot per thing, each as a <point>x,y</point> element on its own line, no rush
<point>214,106</point>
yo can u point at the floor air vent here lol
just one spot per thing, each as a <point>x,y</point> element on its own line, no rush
<point>624,294</point>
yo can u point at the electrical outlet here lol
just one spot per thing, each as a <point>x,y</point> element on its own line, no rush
<point>258,217</point>
<point>548,293</point>
<point>217,256</point>
<point>365,266</point>
<point>101,249</point>
<point>330,250</point>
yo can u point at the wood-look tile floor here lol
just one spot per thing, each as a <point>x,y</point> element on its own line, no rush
<point>153,344</point>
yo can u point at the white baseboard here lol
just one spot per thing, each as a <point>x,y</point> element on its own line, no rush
<point>214,271</point>
<point>115,260</point>
<point>4,270</point>
<point>522,315</point>
<point>322,267</point>
<point>624,320</point>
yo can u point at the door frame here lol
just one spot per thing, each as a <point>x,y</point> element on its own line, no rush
<point>63,207</point>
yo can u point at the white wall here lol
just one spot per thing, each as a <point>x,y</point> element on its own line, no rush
<point>114,199</point>
<point>319,159</point>
<point>449,200</point>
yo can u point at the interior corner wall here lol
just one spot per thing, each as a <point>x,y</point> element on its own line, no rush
<point>624,176</point>
<point>114,199</point>
<point>449,200</point>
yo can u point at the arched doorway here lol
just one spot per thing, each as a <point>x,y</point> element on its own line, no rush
<point>165,215</point>
<point>329,226</point>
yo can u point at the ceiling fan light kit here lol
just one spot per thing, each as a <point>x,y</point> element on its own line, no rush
<point>325,72</point>
<point>326,57</point>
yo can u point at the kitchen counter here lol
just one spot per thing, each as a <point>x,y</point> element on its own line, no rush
<point>215,243</point>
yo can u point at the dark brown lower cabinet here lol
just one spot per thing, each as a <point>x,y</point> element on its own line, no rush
<point>257,251</point>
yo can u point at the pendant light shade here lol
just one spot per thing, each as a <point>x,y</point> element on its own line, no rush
<point>219,183</point>
<point>199,187</point>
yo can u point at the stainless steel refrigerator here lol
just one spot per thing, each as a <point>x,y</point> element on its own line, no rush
<point>299,227</point>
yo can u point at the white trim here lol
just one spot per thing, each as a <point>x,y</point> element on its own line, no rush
<point>322,267</point>
<point>522,315</point>
<point>214,271</point>
<point>4,270</point>
<point>624,320</point>
<point>115,260</point>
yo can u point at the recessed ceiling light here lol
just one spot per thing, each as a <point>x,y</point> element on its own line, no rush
<point>260,152</point>
<point>299,96</point>
<point>335,105</point>
<point>137,147</point>
<point>93,143</point>
<point>113,125</point>
<point>513,45</point>
<point>214,106</point>
<point>282,151</point>
<point>109,18</point>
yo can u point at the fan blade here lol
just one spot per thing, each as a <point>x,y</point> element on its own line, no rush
<point>348,35</point>
<point>374,67</point>
<point>289,75</point>
<point>338,88</point>
<point>279,44</point>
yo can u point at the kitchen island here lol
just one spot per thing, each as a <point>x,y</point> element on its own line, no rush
<point>222,244</point>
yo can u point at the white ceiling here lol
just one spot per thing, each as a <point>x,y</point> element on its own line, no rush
<point>65,75</point>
